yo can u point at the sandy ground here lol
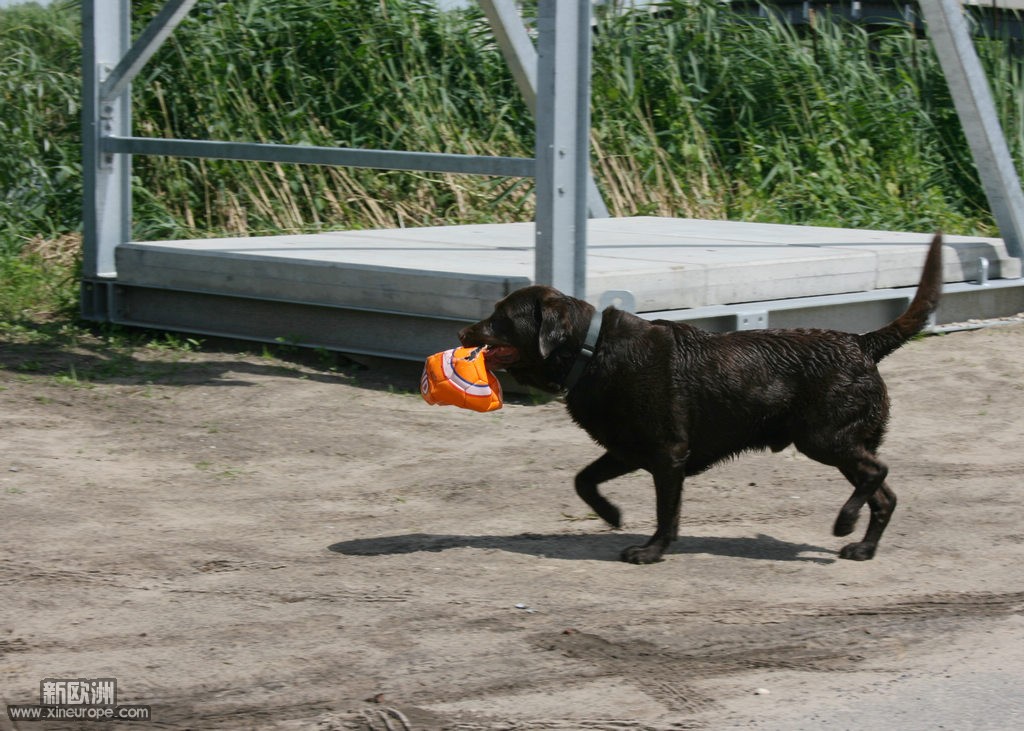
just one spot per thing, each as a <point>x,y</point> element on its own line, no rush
<point>246,541</point>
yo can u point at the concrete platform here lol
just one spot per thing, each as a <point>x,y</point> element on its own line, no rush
<point>405,292</point>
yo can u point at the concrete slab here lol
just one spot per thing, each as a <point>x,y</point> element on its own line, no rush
<point>460,271</point>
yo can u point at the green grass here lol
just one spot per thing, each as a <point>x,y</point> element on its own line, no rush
<point>759,120</point>
<point>696,112</point>
<point>40,165</point>
<point>39,282</point>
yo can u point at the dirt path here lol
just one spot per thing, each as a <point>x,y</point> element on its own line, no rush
<point>247,542</point>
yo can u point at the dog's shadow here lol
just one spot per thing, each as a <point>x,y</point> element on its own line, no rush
<point>580,547</point>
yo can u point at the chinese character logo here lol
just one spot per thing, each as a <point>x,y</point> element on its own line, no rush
<point>80,692</point>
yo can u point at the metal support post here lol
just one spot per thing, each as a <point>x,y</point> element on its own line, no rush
<point>106,214</point>
<point>563,123</point>
<point>972,98</point>
<point>521,57</point>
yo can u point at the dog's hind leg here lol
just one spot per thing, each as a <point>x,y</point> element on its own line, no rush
<point>868,479</point>
<point>607,467</point>
<point>882,504</point>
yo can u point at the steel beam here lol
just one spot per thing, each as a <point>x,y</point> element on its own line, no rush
<point>972,98</point>
<point>413,336</point>
<point>433,162</point>
<point>521,58</point>
<point>563,123</point>
<point>106,178</point>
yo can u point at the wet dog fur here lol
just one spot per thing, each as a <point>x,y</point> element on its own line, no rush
<point>674,400</point>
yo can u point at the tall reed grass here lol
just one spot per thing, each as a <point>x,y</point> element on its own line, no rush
<point>40,158</point>
<point>351,73</point>
<point>760,120</point>
<point>696,112</point>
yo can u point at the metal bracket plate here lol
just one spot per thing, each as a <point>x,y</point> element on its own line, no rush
<point>622,299</point>
<point>752,320</point>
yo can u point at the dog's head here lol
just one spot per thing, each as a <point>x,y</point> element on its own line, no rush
<point>533,333</point>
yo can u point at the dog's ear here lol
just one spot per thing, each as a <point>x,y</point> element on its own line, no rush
<point>553,329</point>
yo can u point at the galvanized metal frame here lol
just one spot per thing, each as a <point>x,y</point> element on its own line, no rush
<point>311,155</point>
<point>561,170</point>
<point>563,129</point>
<point>106,28</point>
<point>149,42</point>
<point>561,92</point>
<point>412,336</point>
<point>521,57</point>
<point>972,98</point>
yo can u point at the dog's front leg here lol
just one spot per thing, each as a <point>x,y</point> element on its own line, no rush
<point>668,486</point>
<point>606,467</point>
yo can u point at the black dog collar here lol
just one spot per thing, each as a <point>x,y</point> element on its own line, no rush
<point>586,352</point>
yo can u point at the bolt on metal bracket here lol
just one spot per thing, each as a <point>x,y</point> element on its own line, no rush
<point>622,299</point>
<point>105,123</point>
<point>752,320</point>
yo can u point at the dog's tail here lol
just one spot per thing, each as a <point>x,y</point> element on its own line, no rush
<point>879,343</point>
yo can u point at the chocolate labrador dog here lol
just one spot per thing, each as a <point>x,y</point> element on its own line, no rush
<point>673,399</point>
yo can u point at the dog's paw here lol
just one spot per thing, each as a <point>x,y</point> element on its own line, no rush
<point>858,551</point>
<point>642,554</point>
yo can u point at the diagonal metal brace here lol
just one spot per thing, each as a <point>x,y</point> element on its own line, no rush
<point>972,98</point>
<point>149,42</point>
<point>521,56</point>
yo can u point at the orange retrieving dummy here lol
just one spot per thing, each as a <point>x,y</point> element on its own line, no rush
<point>459,377</point>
